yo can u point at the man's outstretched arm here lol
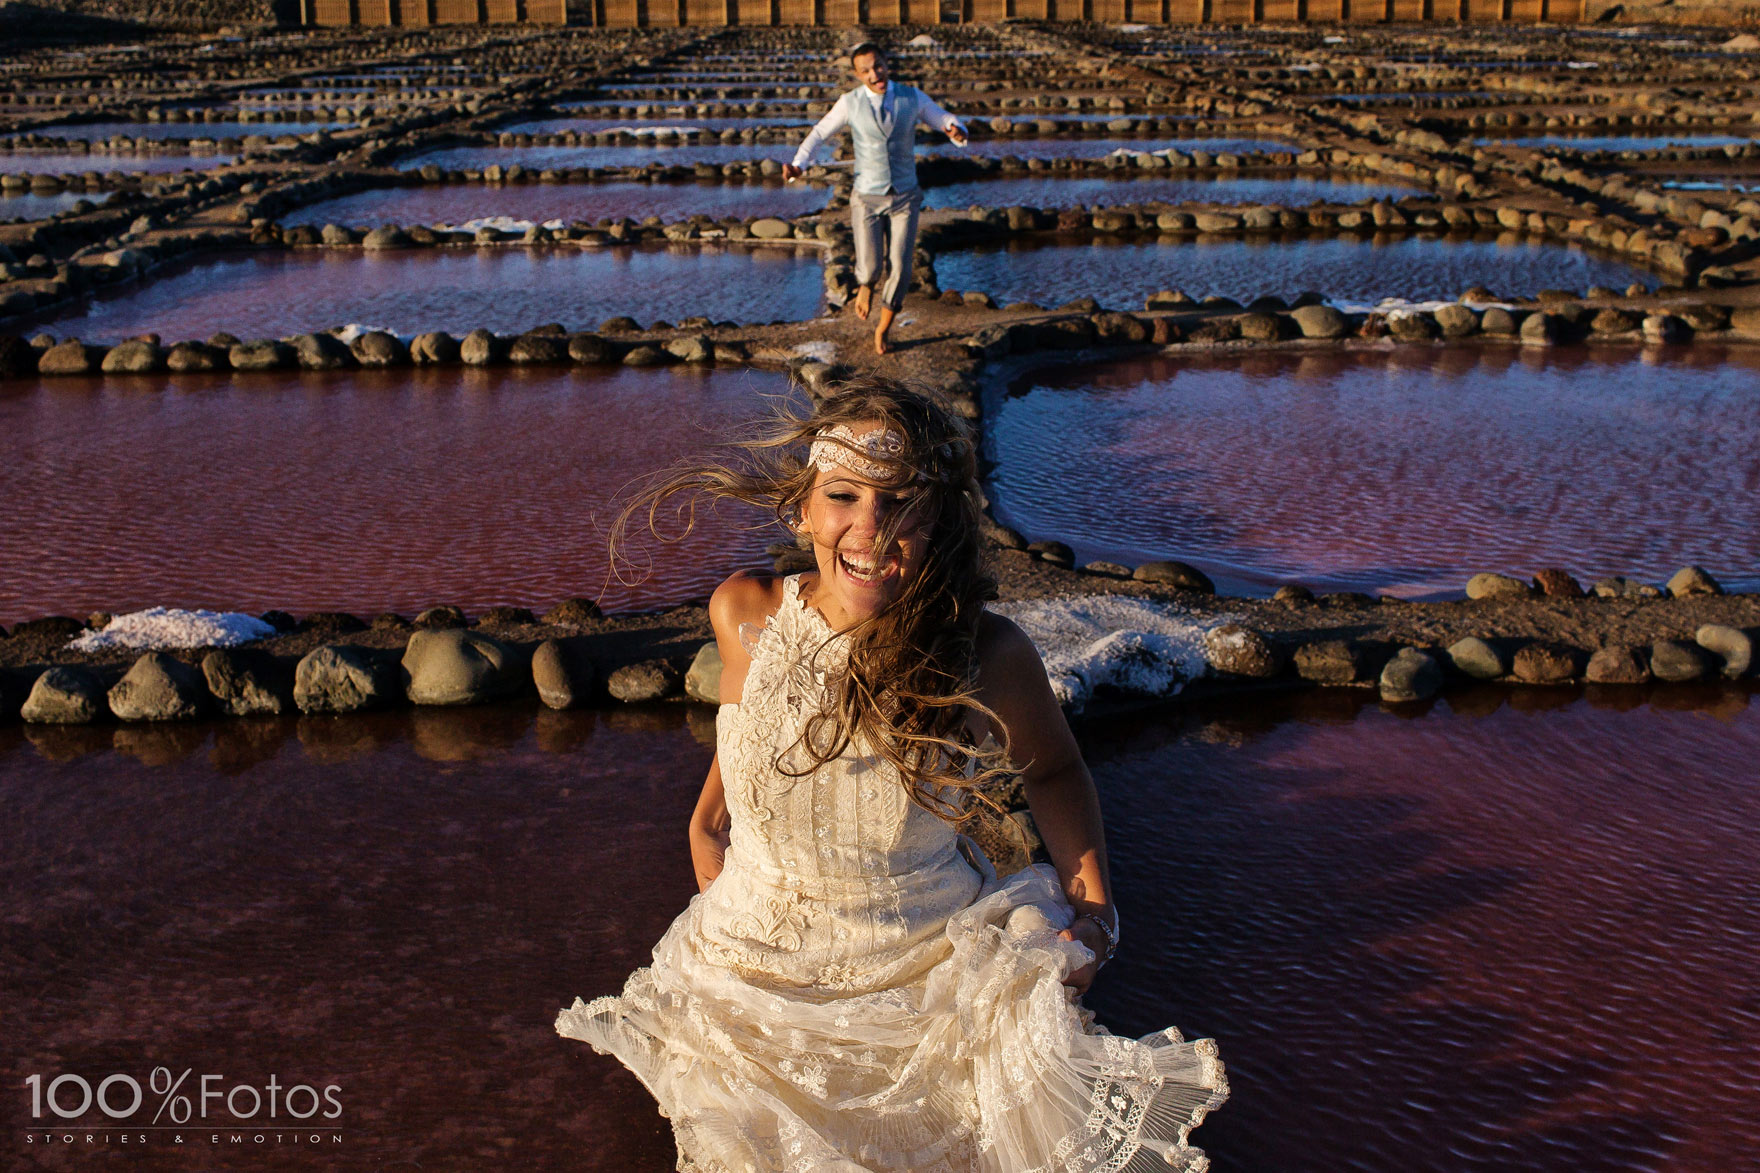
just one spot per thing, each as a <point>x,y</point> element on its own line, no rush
<point>835,120</point>
<point>930,114</point>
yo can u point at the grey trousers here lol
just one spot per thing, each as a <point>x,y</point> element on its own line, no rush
<point>885,228</point>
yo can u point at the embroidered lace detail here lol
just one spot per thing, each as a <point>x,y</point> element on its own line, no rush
<point>852,993</point>
<point>778,922</point>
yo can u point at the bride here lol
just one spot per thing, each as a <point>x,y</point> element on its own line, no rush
<point>854,988</point>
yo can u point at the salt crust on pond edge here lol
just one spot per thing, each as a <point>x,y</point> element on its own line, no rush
<point>168,627</point>
<point>1134,646</point>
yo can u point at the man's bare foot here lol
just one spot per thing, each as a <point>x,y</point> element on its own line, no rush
<point>864,296</point>
<point>881,328</point>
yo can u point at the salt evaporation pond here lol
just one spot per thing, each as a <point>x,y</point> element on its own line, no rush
<point>1136,187</point>
<point>1083,147</point>
<point>666,152</point>
<point>31,206</point>
<point>540,203</point>
<point>361,491</point>
<point>62,162</point>
<point>592,125</point>
<point>1511,930</point>
<point>1403,472</point>
<point>174,131</point>
<point>1122,273</point>
<point>276,294</point>
<point>1623,142</point>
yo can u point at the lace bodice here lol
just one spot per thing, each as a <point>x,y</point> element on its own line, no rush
<point>850,818</point>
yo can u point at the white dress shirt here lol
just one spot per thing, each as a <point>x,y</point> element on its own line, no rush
<point>929,113</point>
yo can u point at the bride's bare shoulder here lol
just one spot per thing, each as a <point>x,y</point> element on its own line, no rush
<point>745,597</point>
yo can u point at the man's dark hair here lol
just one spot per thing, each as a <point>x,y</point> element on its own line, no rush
<point>864,48</point>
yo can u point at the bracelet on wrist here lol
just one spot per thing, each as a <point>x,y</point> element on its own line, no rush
<point>1109,931</point>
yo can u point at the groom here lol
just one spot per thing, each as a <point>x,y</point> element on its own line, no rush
<point>882,117</point>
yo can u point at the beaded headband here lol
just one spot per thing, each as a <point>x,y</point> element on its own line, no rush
<point>873,455</point>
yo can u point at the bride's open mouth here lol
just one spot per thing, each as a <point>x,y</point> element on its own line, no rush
<point>864,568</point>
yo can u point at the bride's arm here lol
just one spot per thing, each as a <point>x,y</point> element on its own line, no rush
<point>1059,789</point>
<point>709,828</point>
<point>741,599</point>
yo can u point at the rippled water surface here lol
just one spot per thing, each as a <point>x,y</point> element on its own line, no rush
<point>589,124</point>
<point>1137,188</point>
<point>1623,142</point>
<point>667,153</point>
<point>1083,147</point>
<point>30,206</point>
<point>1122,273</point>
<point>1405,473</point>
<point>168,131</point>
<point>458,290</point>
<point>62,162</point>
<point>360,491</point>
<point>1484,936</point>
<point>543,202</point>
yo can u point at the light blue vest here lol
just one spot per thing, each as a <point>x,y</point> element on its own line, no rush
<point>885,152</point>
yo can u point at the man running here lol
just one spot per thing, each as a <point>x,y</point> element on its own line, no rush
<point>882,117</point>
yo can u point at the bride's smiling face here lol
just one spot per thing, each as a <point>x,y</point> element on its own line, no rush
<point>845,515</point>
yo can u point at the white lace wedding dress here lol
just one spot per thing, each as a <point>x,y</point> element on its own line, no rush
<point>852,994</point>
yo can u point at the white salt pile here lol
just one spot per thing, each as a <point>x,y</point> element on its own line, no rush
<point>819,349</point>
<point>168,627</point>
<point>1135,646</point>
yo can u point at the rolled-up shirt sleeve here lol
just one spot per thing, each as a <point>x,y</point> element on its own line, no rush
<point>835,120</point>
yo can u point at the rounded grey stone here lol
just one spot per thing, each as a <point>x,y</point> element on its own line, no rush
<point>1175,574</point>
<point>1410,676</point>
<point>1731,645</point>
<point>64,695</point>
<point>702,681</point>
<point>342,678</point>
<point>1474,657</point>
<point>650,680</point>
<point>1677,661</point>
<point>1496,586</point>
<point>159,688</point>
<point>1240,651</point>
<point>246,682</point>
<point>454,666</point>
<point>1617,664</point>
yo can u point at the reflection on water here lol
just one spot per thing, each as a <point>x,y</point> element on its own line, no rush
<point>542,202</point>
<point>1623,142</point>
<point>665,152</point>
<point>1072,147</point>
<point>506,289</point>
<point>63,162</point>
<point>170,131</point>
<point>362,491</point>
<point>1514,932</point>
<point>1405,472</point>
<point>1138,188</point>
<point>398,905</point>
<point>588,125</point>
<point>1484,935</point>
<point>1122,273</point>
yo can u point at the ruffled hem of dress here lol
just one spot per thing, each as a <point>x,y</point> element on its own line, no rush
<point>1019,1077</point>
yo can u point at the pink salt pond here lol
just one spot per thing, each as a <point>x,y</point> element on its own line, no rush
<point>1402,472</point>
<point>358,491</point>
<point>409,291</point>
<point>1510,931</point>
<point>540,203</point>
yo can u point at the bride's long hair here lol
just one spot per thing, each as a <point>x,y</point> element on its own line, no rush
<point>911,675</point>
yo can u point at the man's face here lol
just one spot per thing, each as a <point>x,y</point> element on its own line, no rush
<point>870,71</point>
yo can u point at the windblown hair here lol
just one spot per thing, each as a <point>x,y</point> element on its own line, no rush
<point>910,678</point>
